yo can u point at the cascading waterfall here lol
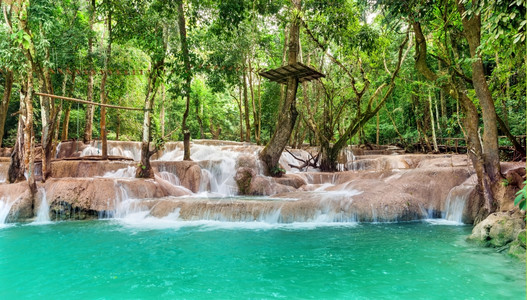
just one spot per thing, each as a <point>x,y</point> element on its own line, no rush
<point>171,178</point>
<point>5,208</point>
<point>219,170</point>
<point>43,209</point>
<point>456,201</point>
<point>128,172</point>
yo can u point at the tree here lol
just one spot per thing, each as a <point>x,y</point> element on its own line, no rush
<point>270,155</point>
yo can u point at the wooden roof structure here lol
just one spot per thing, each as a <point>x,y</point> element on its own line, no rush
<point>298,70</point>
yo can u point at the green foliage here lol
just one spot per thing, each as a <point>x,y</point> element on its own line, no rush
<point>521,197</point>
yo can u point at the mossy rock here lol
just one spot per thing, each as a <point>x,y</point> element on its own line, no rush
<point>517,250</point>
<point>521,238</point>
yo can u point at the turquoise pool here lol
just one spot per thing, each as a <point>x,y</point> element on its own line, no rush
<point>112,259</point>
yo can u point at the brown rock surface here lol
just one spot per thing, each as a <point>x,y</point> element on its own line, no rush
<point>86,168</point>
<point>20,199</point>
<point>82,198</point>
<point>188,172</point>
<point>498,229</point>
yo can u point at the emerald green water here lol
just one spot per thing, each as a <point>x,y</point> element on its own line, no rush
<point>115,260</point>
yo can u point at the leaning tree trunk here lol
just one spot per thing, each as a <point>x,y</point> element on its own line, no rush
<point>188,78</point>
<point>16,168</point>
<point>270,155</point>
<point>145,169</point>
<point>5,102</point>
<point>457,90</point>
<point>472,32</point>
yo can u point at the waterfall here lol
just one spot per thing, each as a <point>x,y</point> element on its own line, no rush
<point>218,167</point>
<point>128,172</point>
<point>456,201</point>
<point>43,209</point>
<point>5,208</point>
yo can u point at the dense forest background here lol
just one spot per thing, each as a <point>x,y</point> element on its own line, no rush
<point>125,52</point>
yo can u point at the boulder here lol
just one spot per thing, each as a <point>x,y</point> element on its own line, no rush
<point>292,180</point>
<point>247,161</point>
<point>18,196</point>
<point>188,172</point>
<point>244,177</point>
<point>498,229</point>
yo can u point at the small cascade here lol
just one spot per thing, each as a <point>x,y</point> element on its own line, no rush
<point>91,151</point>
<point>122,201</point>
<point>218,167</point>
<point>5,208</point>
<point>456,201</point>
<point>170,177</point>
<point>221,177</point>
<point>43,209</point>
<point>128,172</point>
<point>268,211</point>
<point>346,159</point>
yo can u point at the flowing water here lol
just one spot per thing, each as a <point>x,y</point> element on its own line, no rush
<point>236,260</point>
<point>43,209</point>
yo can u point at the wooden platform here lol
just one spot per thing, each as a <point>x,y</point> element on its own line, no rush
<point>298,70</point>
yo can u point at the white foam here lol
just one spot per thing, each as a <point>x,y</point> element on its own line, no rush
<point>5,208</point>
<point>128,172</point>
<point>143,221</point>
<point>43,210</point>
<point>443,222</point>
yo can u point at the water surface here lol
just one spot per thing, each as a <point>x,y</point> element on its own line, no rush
<point>220,260</point>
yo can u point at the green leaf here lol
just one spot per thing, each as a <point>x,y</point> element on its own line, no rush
<point>518,199</point>
<point>25,44</point>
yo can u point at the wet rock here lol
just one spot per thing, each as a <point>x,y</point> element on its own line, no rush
<point>18,196</point>
<point>188,172</point>
<point>247,161</point>
<point>84,198</point>
<point>292,180</point>
<point>261,185</point>
<point>244,177</point>
<point>86,168</point>
<point>70,149</point>
<point>192,178</point>
<point>498,229</point>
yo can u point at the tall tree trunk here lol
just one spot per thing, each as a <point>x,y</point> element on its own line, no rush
<point>457,90</point>
<point>66,121</point>
<point>17,166</point>
<point>239,102</point>
<point>377,134</point>
<point>90,109</point>
<point>188,78</point>
<point>198,117</point>
<point>29,135</point>
<point>253,101</point>
<point>214,131</point>
<point>59,116</point>
<point>259,140</point>
<point>270,155</point>
<point>246,108</point>
<point>102,94</point>
<point>145,169</point>
<point>442,100</point>
<point>430,105</point>
<point>162,110</point>
<point>472,32</point>
<point>8,86</point>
